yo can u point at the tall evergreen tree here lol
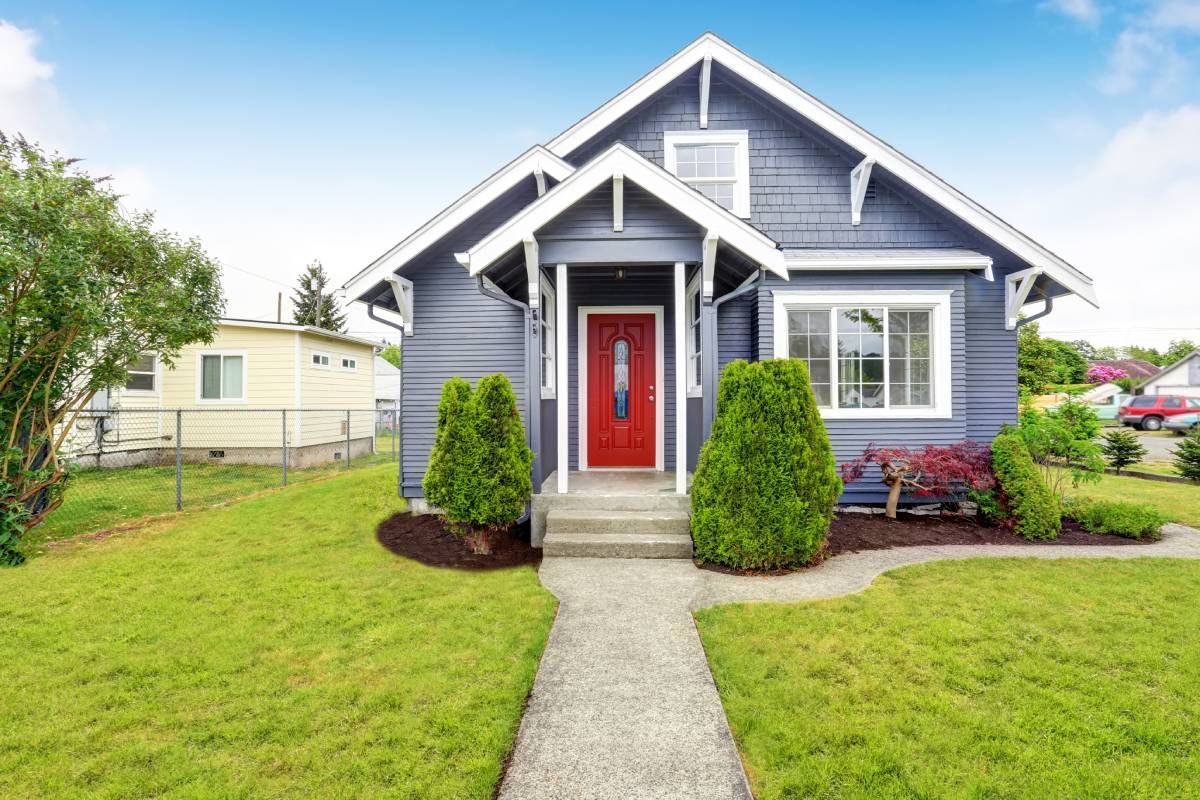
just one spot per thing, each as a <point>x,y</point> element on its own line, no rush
<point>312,305</point>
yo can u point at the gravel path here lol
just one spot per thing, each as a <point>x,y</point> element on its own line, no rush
<point>624,705</point>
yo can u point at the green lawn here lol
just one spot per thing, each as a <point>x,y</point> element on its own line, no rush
<point>98,499</point>
<point>983,679</point>
<point>1180,502</point>
<point>268,648</point>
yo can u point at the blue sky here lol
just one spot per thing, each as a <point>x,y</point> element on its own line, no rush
<point>282,134</point>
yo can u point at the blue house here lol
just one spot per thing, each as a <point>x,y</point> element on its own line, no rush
<point>709,212</point>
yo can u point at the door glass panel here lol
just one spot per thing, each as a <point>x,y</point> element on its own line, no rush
<point>621,379</point>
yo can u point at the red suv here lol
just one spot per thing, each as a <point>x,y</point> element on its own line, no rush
<point>1148,411</point>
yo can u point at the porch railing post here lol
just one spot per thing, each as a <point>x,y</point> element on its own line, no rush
<point>178,460</point>
<point>283,447</point>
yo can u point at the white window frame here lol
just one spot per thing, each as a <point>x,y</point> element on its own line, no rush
<point>548,322</point>
<point>343,358</point>
<point>320,354</point>
<point>941,355</point>
<point>739,140</point>
<point>200,398</point>
<point>695,358</point>
<point>155,373</point>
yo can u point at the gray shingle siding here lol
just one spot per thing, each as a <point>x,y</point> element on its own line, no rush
<point>644,216</point>
<point>799,185</point>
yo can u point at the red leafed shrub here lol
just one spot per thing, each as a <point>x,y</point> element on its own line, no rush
<point>931,471</point>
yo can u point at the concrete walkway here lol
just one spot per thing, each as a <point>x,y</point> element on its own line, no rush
<point>624,705</point>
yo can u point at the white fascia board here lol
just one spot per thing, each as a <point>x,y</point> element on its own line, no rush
<point>536,159</point>
<point>620,160</point>
<point>799,260</point>
<point>883,154</point>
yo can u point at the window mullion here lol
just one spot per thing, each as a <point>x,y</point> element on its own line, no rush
<point>834,379</point>
<point>887,362</point>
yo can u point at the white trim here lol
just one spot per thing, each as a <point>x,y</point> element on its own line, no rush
<point>941,342</point>
<point>402,291</point>
<point>534,160</point>
<point>799,260</point>
<point>740,140</point>
<point>314,354</point>
<point>200,354</point>
<point>1017,286</point>
<point>532,271</point>
<point>681,384</point>
<point>860,177</point>
<point>792,96</point>
<point>659,371</point>
<point>560,364</point>
<point>619,159</point>
<point>290,326</point>
<point>618,193</point>
<point>693,287</point>
<point>545,287</point>
<point>705,83</point>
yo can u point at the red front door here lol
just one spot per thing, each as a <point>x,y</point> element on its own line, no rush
<point>621,392</point>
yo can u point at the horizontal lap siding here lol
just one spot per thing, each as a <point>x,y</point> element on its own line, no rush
<point>734,330</point>
<point>991,359</point>
<point>850,437</point>
<point>457,331</point>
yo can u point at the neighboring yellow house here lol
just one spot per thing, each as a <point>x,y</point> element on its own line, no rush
<point>232,394</point>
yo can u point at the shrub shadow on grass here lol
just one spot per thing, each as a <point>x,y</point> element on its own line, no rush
<point>423,538</point>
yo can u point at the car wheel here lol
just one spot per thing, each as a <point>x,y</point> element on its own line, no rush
<point>1152,424</point>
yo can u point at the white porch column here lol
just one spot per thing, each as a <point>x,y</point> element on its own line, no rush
<point>680,380</point>
<point>562,388</point>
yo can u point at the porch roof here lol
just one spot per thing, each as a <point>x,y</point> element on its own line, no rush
<point>620,163</point>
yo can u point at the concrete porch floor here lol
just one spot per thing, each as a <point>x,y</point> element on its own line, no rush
<point>615,482</point>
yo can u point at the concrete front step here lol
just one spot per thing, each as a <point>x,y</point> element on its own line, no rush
<point>577,520</point>
<point>617,545</point>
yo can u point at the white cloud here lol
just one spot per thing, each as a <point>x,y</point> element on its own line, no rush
<point>1140,55</point>
<point>1176,15</point>
<point>1087,12</point>
<point>1128,219</point>
<point>29,103</point>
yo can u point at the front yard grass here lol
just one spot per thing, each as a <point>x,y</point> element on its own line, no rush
<point>1180,502</point>
<point>1013,678</point>
<point>269,648</point>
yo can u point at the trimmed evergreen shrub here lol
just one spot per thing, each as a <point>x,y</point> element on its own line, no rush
<point>1032,506</point>
<point>504,480</point>
<point>1122,448</point>
<point>453,462</point>
<point>1186,455</point>
<point>766,483</point>
<point>1116,517</point>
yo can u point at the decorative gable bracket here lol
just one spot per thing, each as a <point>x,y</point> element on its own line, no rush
<point>402,290</point>
<point>860,176</point>
<point>1017,287</point>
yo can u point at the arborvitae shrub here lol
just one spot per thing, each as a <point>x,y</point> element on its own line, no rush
<point>1187,455</point>
<point>505,483</point>
<point>453,462</point>
<point>1029,502</point>
<point>766,483</point>
<point>1122,448</point>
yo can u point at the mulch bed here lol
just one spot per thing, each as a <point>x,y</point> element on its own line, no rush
<point>423,538</point>
<point>853,533</point>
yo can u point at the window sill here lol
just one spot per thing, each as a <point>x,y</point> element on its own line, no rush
<point>549,394</point>
<point>695,391</point>
<point>884,413</point>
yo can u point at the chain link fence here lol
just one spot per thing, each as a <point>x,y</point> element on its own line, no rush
<point>127,464</point>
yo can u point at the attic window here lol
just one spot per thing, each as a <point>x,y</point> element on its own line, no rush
<point>715,163</point>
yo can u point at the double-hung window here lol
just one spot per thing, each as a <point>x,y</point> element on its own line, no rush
<point>695,350</point>
<point>715,163</point>
<point>547,322</point>
<point>222,376</point>
<point>870,355</point>
<point>141,375</point>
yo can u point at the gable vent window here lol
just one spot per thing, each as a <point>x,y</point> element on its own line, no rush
<point>715,163</point>
<point>870,194</point>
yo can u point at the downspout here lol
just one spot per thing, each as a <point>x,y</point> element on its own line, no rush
<point>1026,320</point>
<point>399,450</point>
<point>530,413</point>
<point>746,286</point>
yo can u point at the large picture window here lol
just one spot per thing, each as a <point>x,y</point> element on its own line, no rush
<point>869,355</point>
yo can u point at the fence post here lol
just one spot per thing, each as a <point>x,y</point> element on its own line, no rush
<point>178,460</point>
<point>284,447</point>
<point>347,437</point>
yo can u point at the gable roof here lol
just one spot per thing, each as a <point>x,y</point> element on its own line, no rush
<point>710,46</point>
<point>234,322</point>
<point>535,159</point>
<point>1168,368</point>
<point>1133,367</point>
<point>623,161</point>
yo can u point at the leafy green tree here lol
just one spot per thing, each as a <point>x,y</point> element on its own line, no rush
<point>1069,364</point>
<point>449,482</point>
<point>766,483</point>
<point>1062,444</point>
<point>1180,348</point>
<point>391,354</point>
<point>1122,448</point>
<point>1106,353</point>
<point>1086,349</point>
<point>85,289</point>
<point>312,305</point>
<point>1186,456</point>
<point>1035,360</point>
<point>1145,354</point>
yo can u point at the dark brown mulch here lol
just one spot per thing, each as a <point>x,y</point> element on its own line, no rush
<point>423,538</point>
<point>852,533</point>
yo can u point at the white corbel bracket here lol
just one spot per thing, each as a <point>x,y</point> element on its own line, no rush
<point>532,270</point>
<point>860,176</point>
<point>402,291</point>
<point>708,264</point>
<point>539,176</point>
<point>1017,287</point>
<point>705,83</point>
<point>618,181</point>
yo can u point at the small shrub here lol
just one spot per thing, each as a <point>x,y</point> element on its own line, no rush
<point>1186,455</point>
<point>932,471</point>
<point>453,461</point>
<point>988,500</point>
<point>504,480</point>
<point>765,486</point>
<point>1122,448</point>
<point>1026,498</point>
<point>1116,517</point>
<point>1062,444</point>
